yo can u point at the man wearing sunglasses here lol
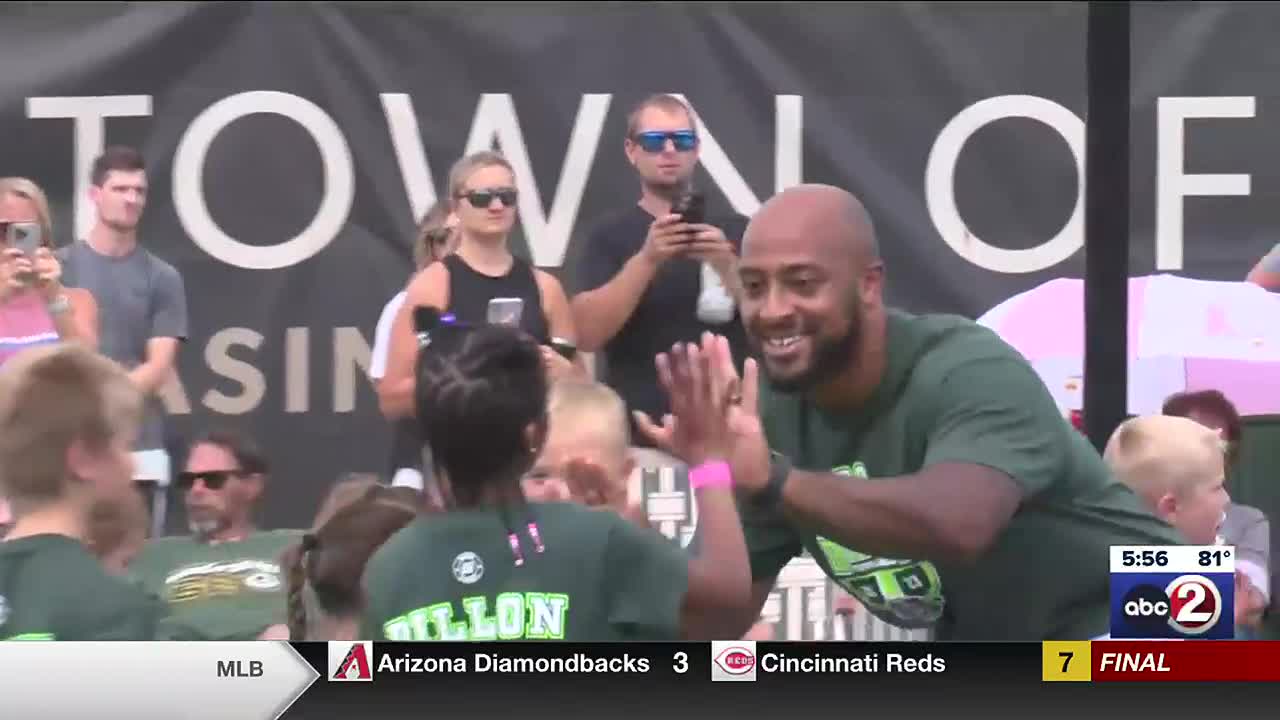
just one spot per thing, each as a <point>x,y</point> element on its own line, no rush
<point>640,273</point>
<point>223,581</point>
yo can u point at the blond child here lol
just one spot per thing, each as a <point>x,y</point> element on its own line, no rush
<point>1178,467</point>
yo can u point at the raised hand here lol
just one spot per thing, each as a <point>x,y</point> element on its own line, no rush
<point>590,485</point>
<point>749,454</point>
<point>48,273</point>
<point>15,271</point>
<point>697,428</point>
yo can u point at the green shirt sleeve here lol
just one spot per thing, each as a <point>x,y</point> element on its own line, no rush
<point>998,413</point>
<point>132,616</point>
<point>646,577</point>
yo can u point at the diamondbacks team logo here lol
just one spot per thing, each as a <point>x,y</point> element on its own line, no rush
<point>350,661</point>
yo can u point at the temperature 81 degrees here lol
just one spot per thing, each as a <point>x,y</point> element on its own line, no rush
<point>1216,558</point>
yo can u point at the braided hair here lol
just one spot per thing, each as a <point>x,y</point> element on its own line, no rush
<point>330,560</point>
<point>482,405</point>
<point>479,391</point>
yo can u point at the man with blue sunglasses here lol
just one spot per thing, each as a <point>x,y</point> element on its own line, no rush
<point>648,277</point>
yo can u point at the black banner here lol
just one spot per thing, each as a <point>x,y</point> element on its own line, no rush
<point>292,146</point>
<point>913,680</point>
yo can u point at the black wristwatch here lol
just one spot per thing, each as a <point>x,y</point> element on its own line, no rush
<point>779,470</point>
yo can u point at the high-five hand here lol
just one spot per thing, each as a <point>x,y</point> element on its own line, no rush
<point>724,407</point>
<point>697,430</point>
<point>749,457</point>
<point>590,485</point>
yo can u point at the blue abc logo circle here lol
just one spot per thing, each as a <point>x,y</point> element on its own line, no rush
<point>1146,609</point>
<point>1190,605</point>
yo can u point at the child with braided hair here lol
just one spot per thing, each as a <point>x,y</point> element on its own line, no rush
<point>325,598</point>
<point>494,566</point>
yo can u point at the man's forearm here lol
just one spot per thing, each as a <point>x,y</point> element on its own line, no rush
<point>148,377</point>
<point>909,516</point>
<point>599,314</point>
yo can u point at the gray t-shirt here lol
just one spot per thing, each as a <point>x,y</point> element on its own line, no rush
<point>139,297</point>
<point>1247,529</point>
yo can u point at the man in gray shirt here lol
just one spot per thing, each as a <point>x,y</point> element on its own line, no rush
<point>142,304</point>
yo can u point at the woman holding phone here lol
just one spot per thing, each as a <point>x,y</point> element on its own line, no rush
<point>482,282</point>
<point>493,566</point>
<point>35,309</point>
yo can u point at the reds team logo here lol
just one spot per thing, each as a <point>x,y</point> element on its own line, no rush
<point>351,661</point>
<point>734,660</point>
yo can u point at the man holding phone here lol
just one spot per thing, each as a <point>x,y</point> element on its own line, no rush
<point>658,272</point>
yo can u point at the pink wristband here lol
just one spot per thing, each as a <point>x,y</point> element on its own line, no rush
<point>711,474</point>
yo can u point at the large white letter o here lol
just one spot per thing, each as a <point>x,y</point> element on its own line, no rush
<point>939,184</point>
<point>188,168</point>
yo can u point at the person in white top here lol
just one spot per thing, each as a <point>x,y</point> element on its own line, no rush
<point>435,239</point>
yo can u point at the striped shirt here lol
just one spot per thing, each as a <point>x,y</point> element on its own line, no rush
<point>25,322</point>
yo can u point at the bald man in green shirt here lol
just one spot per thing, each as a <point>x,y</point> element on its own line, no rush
<point>917,458</point>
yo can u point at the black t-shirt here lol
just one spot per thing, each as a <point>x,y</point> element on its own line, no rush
<point>470,292</point>
<point>666,314</point>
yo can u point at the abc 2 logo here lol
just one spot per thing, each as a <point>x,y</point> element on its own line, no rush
<point>1173,606</point>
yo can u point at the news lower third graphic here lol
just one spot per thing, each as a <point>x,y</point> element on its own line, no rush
<point>1173,592</point>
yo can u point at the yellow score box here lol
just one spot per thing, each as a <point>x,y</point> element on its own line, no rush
<point>1066,661</point>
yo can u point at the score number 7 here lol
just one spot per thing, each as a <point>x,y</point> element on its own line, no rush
<point>1066,659</point>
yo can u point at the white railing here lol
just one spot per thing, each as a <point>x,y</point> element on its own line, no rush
<point>801,604</point>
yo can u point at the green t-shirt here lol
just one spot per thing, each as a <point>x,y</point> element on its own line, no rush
<point>52,588</point>
<point>453,577</point>
<point>953,392</point>
<point>227,591</point>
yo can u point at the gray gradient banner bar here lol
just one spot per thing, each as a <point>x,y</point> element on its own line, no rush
<point>137,680</point>
<point>987,680</point>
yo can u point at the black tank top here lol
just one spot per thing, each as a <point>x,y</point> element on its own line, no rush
<point>471,291</point>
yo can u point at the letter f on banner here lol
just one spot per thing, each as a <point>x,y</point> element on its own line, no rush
<point>349,662</point>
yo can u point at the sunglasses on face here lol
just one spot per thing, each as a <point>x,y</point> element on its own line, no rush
<point>212,479</point>
<point>484,198</point>
<point>656,141</point>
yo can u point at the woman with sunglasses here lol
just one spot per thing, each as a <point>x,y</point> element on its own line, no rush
<point>493,566</point>
<point>35,309</point>
<point>435,239</point>
<point>482,195</point>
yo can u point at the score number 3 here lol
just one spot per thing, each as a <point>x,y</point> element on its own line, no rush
<point>680,662</point>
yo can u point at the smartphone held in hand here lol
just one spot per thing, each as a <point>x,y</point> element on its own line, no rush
<point>505,311</point>
<point>691,207</point>
<point>24,236</point>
